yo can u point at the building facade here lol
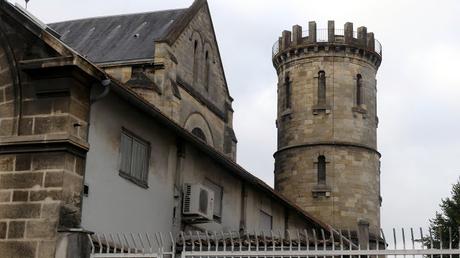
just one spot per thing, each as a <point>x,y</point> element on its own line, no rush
<point>327,160</point>
<point>104,132</point>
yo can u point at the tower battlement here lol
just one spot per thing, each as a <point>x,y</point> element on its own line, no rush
<point>298,41</point>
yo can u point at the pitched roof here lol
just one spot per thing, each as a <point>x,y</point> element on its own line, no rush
<point>117,38</point>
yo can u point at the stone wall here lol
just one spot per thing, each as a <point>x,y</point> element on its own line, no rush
<point>42,156</point>
<point>178,85</point>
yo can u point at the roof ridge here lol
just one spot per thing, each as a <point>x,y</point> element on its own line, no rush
<point>116,15</point>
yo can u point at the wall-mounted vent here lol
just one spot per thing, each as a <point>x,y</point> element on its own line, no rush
<point>198,203</point>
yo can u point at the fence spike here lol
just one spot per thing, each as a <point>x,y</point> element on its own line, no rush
<point>349,238</point>
<point>91,242</point>
<point>422,241</point>
<point>113,242</point>
<point>239,239</point>
<point>231,241</point>
<point>394,237</point>
<point>298,240</point>
<point>412,238</point>
<point>403,238</point>
<point>315,239</point>
<point>256,237</point>
<point>127,243</point>
<point>273,240</point>
<point>216,241</point>
<point>107,246</point>
<point>265,240</point>
<point>142,243</point>
<point>306,239</point>
<point>249,240</point>
<point>199,240</point>
<point>224,241</point>
<point>207,240</point>
<point>324,239</point>
<point>147,235</point>
<point>134,242</point>
<point>99,242</point>
<point>340,239</point>
<point>332,238</point>
<point>281,239</point>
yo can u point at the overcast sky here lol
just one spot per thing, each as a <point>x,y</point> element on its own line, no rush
<point>418,83</point>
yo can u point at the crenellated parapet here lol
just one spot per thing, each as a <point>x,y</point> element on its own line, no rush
<point>298,42</point>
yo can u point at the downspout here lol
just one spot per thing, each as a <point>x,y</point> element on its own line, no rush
<point>244,197</point>
<point>177,213</point>
<point>106,84</point>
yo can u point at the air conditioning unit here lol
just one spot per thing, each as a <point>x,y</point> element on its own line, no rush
<point>198,203</point>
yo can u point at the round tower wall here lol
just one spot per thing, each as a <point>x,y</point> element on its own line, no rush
<point>327,160</point>
<point>352,184</point>
<point>340,118</point>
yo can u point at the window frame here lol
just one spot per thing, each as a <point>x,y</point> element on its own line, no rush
<point>262,212</point>
<point>321,170</point>
<point>128,175</point>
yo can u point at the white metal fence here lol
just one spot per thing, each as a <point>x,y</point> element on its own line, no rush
<point>293,243</point>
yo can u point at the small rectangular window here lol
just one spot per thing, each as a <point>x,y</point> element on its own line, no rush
<point>265,221</point>
<point>218,195</point>
<point>134,153</point>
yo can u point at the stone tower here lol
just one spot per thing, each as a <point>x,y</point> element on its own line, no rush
<point>327,160</point>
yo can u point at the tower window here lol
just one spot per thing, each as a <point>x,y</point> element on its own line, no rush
<point>359,90</point>
<point>321,87</point>
<point>321,170</point>
<point>287,85</point>
<point>206,70</point>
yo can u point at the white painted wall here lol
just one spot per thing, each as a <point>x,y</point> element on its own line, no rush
<point>115,204</point>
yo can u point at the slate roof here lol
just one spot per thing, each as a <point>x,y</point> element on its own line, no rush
<point>117,38</point>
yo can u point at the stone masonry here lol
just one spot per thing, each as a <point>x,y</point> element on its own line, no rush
<point>44,104</point>
<point>341,128</point>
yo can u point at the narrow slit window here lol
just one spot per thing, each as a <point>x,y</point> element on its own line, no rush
<point>195,61</point>
<point>206,71</point>
<point>359,90</point>
<point>321,170</point>
<point>287,85</point>
<point>321,87</point>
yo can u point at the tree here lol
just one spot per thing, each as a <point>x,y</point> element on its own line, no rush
<point>445,226</point>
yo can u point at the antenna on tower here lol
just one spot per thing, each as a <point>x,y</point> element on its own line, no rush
<point>27,1</point>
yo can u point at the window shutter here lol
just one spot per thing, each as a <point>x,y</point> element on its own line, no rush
<point>126,146</point>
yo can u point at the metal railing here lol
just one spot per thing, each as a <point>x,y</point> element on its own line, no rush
<point>322,36</point>
<point>293,243</point>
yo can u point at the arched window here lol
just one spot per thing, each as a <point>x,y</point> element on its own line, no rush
<point>206,70</point>
<point>287,91</point>
<point>321,170</point>
<point>199,133</point>
<point>195,61</point>
<point>359,90</point>
<point>321,87</point>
